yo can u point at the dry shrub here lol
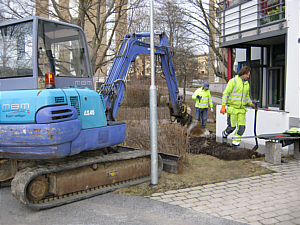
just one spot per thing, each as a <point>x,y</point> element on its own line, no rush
<point>171,138</point>
<point>142,113</point>
<point>137,95</point>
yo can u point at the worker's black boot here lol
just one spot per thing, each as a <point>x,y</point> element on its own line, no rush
<point>224,134</point>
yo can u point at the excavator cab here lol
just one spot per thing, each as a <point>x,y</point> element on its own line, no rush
<point>36,53</point>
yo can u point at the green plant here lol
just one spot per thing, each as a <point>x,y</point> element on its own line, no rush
<point>275,14</point>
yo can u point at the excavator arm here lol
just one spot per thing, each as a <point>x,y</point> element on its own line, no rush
<point>114,86</point>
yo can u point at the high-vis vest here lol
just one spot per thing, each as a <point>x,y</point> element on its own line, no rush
<point>206,99</point>
<point>236,93</point>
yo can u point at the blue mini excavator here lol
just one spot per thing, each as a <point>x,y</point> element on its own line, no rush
<point>58,137</point>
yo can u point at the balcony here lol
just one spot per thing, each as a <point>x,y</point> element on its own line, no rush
<point>256,22</point>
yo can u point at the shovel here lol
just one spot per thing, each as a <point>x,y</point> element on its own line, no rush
<point>255,118</point>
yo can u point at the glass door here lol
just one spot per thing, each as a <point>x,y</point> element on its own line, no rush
<point>275,87</point>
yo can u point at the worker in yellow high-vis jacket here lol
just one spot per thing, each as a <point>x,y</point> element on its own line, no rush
<point>203,101</point>
<point>236,96</point>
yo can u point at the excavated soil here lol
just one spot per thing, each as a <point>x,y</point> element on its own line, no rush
<point>209,146</point>
<point>206,144</point>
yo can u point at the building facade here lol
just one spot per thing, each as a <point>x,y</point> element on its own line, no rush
<point>265,35</point>
<point>203,66</point>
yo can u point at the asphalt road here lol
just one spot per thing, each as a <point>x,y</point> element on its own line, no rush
<point>108,209</point>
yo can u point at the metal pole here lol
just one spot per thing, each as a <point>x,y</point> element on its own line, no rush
<point>153,107</point>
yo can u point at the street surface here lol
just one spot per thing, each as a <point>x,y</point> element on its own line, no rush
<point>107,209</point>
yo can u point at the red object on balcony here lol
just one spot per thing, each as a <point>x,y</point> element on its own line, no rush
<point>229,64</point>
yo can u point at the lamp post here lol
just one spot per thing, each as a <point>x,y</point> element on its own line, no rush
<point>153,107</point>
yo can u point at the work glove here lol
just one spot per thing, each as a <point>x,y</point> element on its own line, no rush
<point>222,109</point>
<point>198,96</point>
<point>212,109</point>
<point>252,106</point>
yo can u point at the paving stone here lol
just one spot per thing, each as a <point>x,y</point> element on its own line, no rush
<point>178,198</point>
<point>253,207</point>
<point>295,214</point>
<point>190,200</point>
<point>210,185</point>
<point>245,186</point>
<point>269,221</point>
<point>242,220</point>
<point>255,201</point>
<point>192,196</point>
<point>281,212</point>
<point>171,192</point>
<point>188,205</point>
<point>254,218</point>
<point>168,196</point>
<point>195,192</point>
<point>296,221</point>
<point>157,194</point>
<point>232,189</point>
<point>227,207</point>
<point>230,202</point>
<point>200,208</point>
<point>181,194</point>
<point>268,209</point>
<point>296,209</point>
<point>240,204</point>
<point>220,188</point>
<point>202,203</point>
<point>242,199</point>
<point>231,185</point>
<point>286,223</point>
<point>225,213</point>
<point>216,200</point>
<point>229,199</point>
<point>166,200</point>
<point>242,190</point>
<point>177,203</point>
<point>268,215</point>
<point>284,218</point>
<point>204,198</point>
<point>255,223</point>
<point>217,195</point>
<point>212,210</point>
<point>214,205</point>
<point>206,193</point>
<point>253,212</point>
<point>255,184</point>
<point>238,215</point>
<point>228,217</point>
<point>208,189</point>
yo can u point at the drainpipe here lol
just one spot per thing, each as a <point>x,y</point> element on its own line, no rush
<point>229,64</point>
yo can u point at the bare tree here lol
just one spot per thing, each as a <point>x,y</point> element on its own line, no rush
<point>171,19</point>
<point>204,25</point>
<point>104,21</point>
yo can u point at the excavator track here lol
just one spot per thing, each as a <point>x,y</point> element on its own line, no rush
<point>32,186</point>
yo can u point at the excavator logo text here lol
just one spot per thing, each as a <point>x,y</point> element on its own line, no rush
<point>23,107</point>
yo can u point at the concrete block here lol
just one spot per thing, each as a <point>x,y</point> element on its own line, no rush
<point>273,152</point>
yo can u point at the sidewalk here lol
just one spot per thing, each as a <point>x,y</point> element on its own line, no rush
<point>267,199</point>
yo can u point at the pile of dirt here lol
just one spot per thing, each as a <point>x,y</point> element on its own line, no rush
<point>209,146</point>
<point>197,130</point>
